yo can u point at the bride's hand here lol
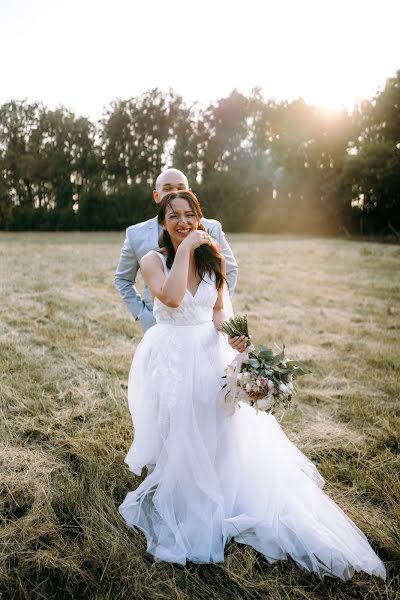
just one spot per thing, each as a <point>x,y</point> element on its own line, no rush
<point>238,343</point>
<point>196,238</point>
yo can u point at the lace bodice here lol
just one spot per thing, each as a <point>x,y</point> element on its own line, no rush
<point>194,310</point>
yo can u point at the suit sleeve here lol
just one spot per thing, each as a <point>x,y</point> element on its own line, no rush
<point>231,264</point>
<point>125,278</point>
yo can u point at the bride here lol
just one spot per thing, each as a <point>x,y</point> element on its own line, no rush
<point>213,477</point>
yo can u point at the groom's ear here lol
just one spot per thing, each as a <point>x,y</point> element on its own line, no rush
<point>156,198</point>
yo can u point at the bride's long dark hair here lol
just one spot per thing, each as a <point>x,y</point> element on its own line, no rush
<point>207,258</point>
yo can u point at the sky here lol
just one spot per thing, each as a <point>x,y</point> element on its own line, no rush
<point>84,54</point>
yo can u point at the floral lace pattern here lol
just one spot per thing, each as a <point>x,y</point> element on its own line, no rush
<point>167,375</point>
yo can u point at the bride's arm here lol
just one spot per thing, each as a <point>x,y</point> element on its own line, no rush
<point>219,312</point>
<point>220,316</point>
<point>171,289</point>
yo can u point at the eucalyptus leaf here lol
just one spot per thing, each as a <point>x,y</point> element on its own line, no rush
<point>278,357</point>
<point>298,371</point>
<point>254,363</point>
<point>303,367</point>
<point>281,370</point>
<point>266,354</point>
<point>291,363</point>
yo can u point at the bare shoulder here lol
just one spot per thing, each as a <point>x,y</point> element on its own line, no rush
<point>150,262</point>
<point>149,259</point>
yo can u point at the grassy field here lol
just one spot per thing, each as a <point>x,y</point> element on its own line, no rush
<point>66,344</point>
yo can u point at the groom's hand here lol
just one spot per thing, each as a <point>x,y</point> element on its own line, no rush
<point>238,343</point>
<point>146,319</point>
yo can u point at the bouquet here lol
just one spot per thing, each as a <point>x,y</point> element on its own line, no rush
<point>263,379</point>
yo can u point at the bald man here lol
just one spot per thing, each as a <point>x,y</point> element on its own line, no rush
<point>143,237</point>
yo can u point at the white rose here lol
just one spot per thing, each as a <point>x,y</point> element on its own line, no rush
<point>246,377</point>
<point>248,387</point>
<point>265,403</point>
<point>283,389</point>
<point>270,385</point>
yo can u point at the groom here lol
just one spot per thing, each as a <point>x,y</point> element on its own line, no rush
<point>143,237</point>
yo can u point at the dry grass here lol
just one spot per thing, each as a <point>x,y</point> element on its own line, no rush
<point>66,343</point>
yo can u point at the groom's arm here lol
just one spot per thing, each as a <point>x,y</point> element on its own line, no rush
<point>231,264</point>
<point>125,278</point>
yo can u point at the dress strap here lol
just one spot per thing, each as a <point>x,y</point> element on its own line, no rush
<point>163,260</point>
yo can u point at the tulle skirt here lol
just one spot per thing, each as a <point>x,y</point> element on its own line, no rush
<point>213,477</point>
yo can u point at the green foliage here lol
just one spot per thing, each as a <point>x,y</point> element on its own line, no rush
<point>257,165</point>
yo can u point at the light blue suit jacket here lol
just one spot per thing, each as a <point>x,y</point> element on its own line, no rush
<point>140,239</point>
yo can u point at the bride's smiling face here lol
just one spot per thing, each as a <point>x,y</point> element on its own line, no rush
<point>180,220</point>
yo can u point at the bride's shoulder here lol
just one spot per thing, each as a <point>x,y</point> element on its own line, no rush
<point>152,258</point>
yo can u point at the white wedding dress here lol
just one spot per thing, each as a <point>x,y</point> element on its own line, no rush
<point>213,477</point>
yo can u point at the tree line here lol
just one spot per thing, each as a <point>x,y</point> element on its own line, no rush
<point>255,164</point>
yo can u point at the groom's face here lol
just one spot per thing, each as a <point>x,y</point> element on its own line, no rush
<point>170,182</point>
